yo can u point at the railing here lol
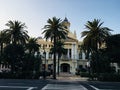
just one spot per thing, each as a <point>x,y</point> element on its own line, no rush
<point>65,58</point>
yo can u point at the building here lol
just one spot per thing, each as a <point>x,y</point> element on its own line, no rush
<point>72,60</point>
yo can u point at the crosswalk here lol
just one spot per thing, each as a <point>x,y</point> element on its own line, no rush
<point>63,87</point>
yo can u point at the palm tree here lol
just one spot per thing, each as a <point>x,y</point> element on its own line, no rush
<point>32,46</point>
<point>54,30</point>
<point>59,50</point>
<point>3,40</point>
<point>95,35</point>
<point>16,32</point>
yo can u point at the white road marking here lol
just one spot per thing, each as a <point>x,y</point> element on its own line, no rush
<point>15,83</point>
<point>31,88</point>
<point>63,87</point>
<point>94,87</point>
<point>98,88</point>
<point>45,87</point>
<point>28,88</point>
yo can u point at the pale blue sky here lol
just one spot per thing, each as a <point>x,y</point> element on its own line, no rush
<point>35,13</point>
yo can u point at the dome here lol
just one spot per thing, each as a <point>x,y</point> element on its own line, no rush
<point>66,22</point>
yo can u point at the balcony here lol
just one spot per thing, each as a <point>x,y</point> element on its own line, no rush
<point>65,58</point>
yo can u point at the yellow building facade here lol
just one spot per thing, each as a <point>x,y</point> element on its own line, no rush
<point>72,60</point>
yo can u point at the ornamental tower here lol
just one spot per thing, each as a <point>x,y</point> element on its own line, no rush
<point>66,23</point>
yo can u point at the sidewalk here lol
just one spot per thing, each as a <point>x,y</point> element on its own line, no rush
<point>70,77</point>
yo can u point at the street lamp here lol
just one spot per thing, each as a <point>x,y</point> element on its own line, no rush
<point>44,74</point>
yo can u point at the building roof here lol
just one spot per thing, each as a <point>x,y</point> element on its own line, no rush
<point>65,20</point>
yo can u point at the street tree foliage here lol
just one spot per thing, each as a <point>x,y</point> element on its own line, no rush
<point>93,38</point>
<point>3,40</point>
<point>113,48</point>
<point>14,55</point>
<point>94,35</point>
<point>19,52</point>
<point>54,30</point>
<point>60,50</point>
<point>109,54</point>
<point>16,32</point>
<point>32,46</point>
<point>100,62</point>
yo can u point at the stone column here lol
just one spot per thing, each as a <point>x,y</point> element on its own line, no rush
<point>72,51</point>
<point>83,56</point>
<point>47,54</point>
<point>75,49</point>
<point>68,54</point>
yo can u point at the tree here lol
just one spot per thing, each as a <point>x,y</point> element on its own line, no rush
<point>3,41</point>
<point>14,54</point>
<point>59,50</point>
<point>100,62</point>
<point>94,37</point>
<point>31,65</point>
<point>32,46</point>
<point>113,48</point>
<point>16,32</point>
<point>54,30</point>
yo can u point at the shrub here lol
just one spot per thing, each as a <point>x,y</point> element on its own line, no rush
<point>84,74</point>
<point>47,73</point>
<point>81,70</point>
<point>109,77</point>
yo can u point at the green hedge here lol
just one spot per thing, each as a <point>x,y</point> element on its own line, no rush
<point>84,74</point>
<point>47,73</point>
<point>109,77</point>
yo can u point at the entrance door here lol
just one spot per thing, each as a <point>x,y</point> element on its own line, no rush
<point>65,67</point>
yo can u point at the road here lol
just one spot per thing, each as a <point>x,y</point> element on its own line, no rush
<point>14,84</point>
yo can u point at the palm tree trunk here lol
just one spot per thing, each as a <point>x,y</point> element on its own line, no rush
<point>58,64</point>
<point>1,48</point>
<point>54,60</point>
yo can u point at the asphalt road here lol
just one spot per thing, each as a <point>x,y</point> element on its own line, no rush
<point>13,84</point>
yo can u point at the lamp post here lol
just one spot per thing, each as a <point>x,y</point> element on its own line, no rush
<point>44,74</point>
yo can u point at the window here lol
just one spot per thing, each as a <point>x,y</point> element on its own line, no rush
<point>70,53</point>
<point>80,55</point>
<point>86,57</point>
<point>50,55</point>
